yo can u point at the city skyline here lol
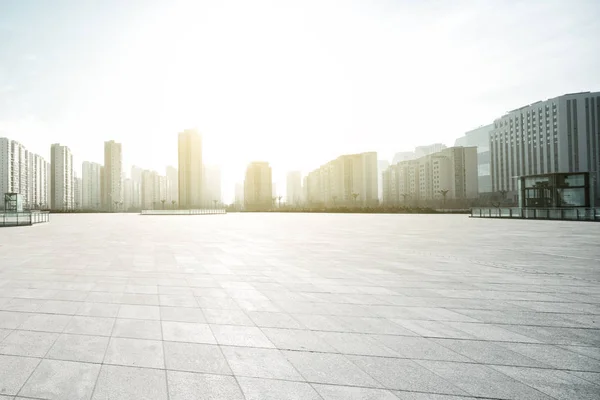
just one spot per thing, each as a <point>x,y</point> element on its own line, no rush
<point>268,81</point>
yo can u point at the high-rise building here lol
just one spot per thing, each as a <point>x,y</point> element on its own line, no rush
<point>561,134</point>
<point>61,177</point>
<point>349,180</point>
<point>258,187</point>
<point>212,185</point>
<point>90,186</point>
<point>239,196</point>
<point>422,151</point>
<point>452,171</point>
<point>172,186</point>
<point>190,169</point>
<point>403,156</point>
<point>38,182</point>
<point>293,187</point>
<point>136,187</point>
<point>14,168</point>
<point>480,137</point>
<point>382,165</point>
<point>77,192</point>
<point>113,169</point>
<point>127,194</point>
<point>150,190</point>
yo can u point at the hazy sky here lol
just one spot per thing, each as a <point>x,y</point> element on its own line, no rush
<point>295,83</point>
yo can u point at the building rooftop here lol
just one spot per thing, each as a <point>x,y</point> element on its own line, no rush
<point>310,306</point>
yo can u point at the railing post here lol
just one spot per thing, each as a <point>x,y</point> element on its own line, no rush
<point>577,213</point>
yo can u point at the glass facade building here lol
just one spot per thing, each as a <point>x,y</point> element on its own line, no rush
<point>555,190</point>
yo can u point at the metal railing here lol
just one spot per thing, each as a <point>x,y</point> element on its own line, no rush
<point>568,214</point>
<point>25,218</point>
<point>184,212</point>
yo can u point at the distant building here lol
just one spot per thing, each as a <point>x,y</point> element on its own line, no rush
<point>90,185</point>
<point>190,169</point>
<point>113,165</point>
<point>258,187</point>
<point>61,177</point>
<point>293,188</point>
<point>14,168</point>
<point>403,156</point>
<point>77,192</point>
<point>212,185</point>
<point>422,151</point>
<point>452,171</point>
<point>172,185</point>
<point>480,137</point>
<point>38,181</point>
<point>348,180</point>
<point>239,196</point>
<point>150,190</point>
<point>382,165</point>
<point>561,134</point>
<point>136,187</point>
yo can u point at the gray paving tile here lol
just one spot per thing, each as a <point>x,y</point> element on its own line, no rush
<point>430,396</point>
<point>15,371</point>
<point>433,329</point>
<point>54,379</point>
<point>329,368</point>
<point>12,320</point>
<point>139,312</point>
<point>195,357</point>
<point>260,363</point>
<point>588,351</point>
<point>98,310</point>
<point>481,381</point>
<point>267,319</point>
<point>231,335</point>
<point>125,383</point>
<point>182,314</point>
<point>592,377</point>
<point>59,307</point>
<point>27,343</point>
<point>227,317</point>
<point>489,352</point>
<point>187,332</point>
<point>555,356</point>
<point>135,353</point>
<point>356,343</point>
<point>137,329</point>
<point>373,325</point>
<point>420,348</point>
<point>82,348</point>
<point>294,339</point>
<point>98,326</point>
<point>557,384</point>
<point>194,386</point>
<point>401,374</point>
<point>267,389</point>
<point>4,333</point>
<point>140,299</point>
<point>23,305</point>
<point>46,322</point>
<point>331,392</point>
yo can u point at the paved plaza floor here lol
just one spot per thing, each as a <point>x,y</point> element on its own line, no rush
<point>299,306</point>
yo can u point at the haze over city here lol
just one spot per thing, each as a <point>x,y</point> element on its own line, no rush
<point>292,83</point>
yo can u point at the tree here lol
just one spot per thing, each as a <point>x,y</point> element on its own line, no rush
<point>273,199</point>
<point>334,200</point>
<point>404,196</point>
<point>279,200</point>
<point>444,192</point>
<point>355,195</point>
<point>163,203</point>
<point>215,201</point>
<point>116,204</point>
<point>173,202</point>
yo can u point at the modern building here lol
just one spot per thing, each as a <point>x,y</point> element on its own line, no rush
<point>212,186</point>
<point>349,180</point>
<point>422,151</point>
<point>239,196</point>
<point>112,195</point>
<point>61,177</point>
<point>190,169</point>
<point>293,187</point>
<point>448,174</point>
<point>14,168</point>
<point>172,186</point>
<point>136,178</point>
<point>90,186</point>
<point>403,156</point>
<point>258,187</point>
<point>382,165</point>
<point>38,182</point>
<point>480,138</point>
<point>555,190</point>
<point>558,135</point>
<point>127,194</point>
<point>77,192</point>
<point>150,190</point>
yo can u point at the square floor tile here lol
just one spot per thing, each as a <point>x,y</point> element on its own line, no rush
<point>331,392</point>
<point>295,339</point>
<point>268,389</point>
<point>240,336</point>
<point>98,326</point>
<point>260,363</point>
<point>195,357</point>
<point>135,353</point>
<point>98,310</point>
<point>194,386</point>
<point>46,322</point>
<point>54,379</point>
<point>126,383</point>
<point>14,372</point>
<point>83,348</point>
<point>181,314</point>
<point>187,332</point>
<point>138,329</point>
<point>27,343</point>
<point>12,320</point>
<point>227,317</point>
<point>139,312</point>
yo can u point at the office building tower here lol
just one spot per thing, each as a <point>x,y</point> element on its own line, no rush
<point>190,169</point>
<point>212,186</point>
<point>61,177</point>
<point>480,138</point>
<point>452,171</point>
<point>90,186</point>
<point>113,169</point>
<point>293,188</point>
<point>258,187</point>
<point>349,180</point>
<point>172,186</point>
<point>127,194</point>
<point>561,134</point>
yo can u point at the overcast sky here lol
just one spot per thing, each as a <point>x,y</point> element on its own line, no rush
<point>295,83</point>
